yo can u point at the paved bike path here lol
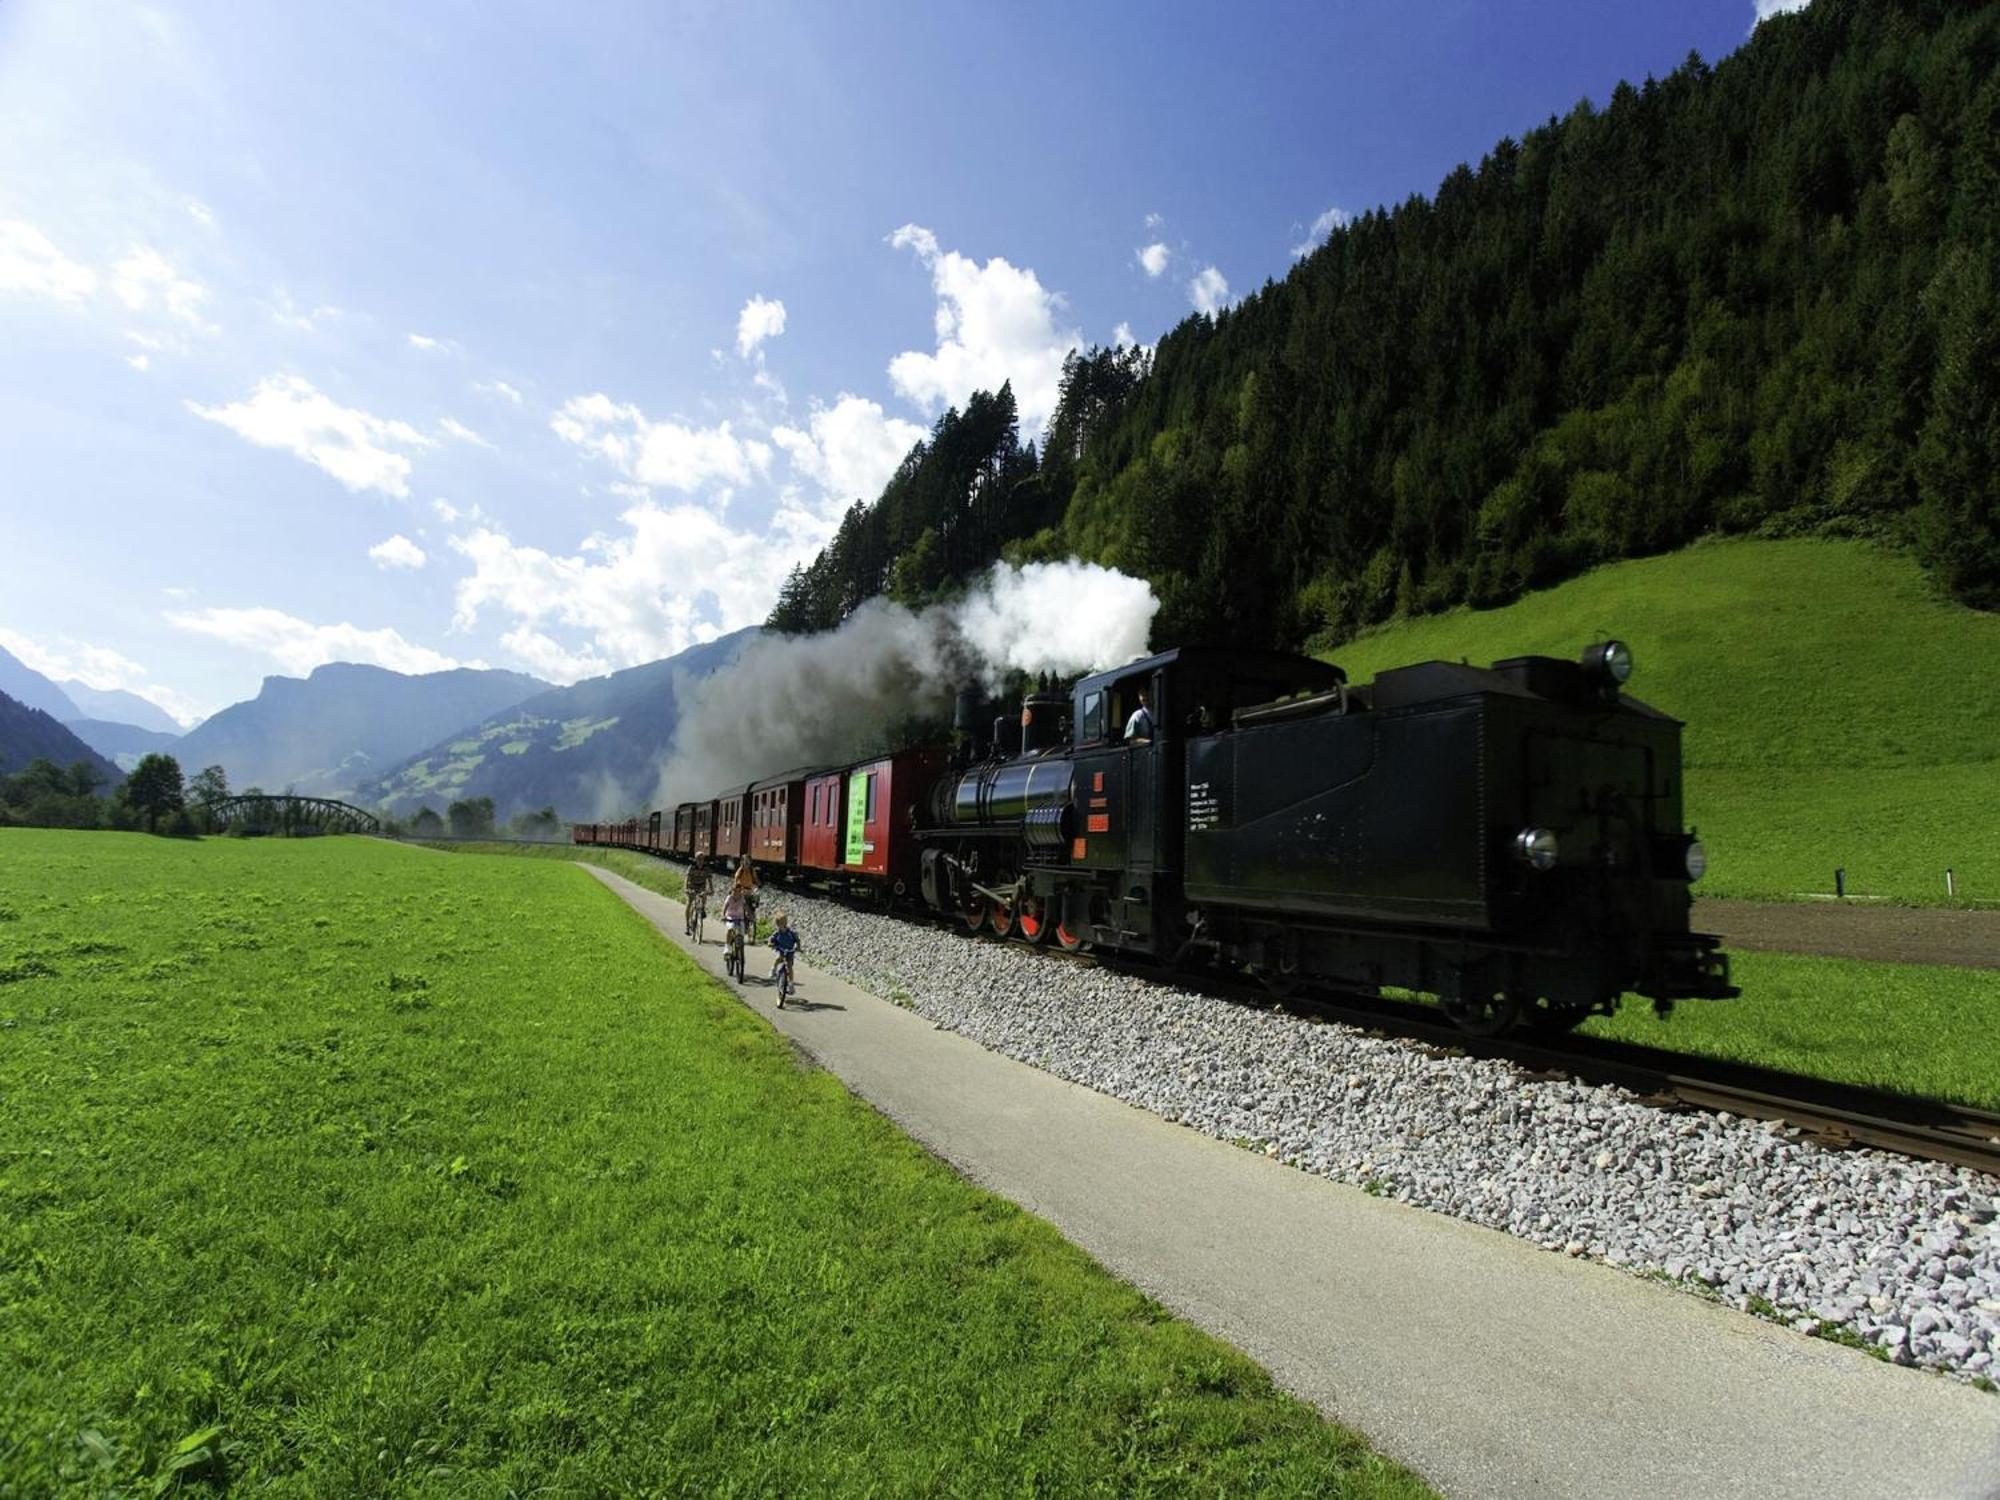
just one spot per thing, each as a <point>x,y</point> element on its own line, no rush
<point>1491,1367</point>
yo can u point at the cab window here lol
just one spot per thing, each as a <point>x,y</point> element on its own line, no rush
<point>1093,716</point>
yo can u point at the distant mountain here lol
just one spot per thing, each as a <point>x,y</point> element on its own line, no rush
<point>30,734</point>
<point>31,689</point>
<point>123,744</point>
<point>116,706</point>
<point>344,724</point>
<point>587,750</point>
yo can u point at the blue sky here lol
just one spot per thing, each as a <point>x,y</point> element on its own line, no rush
<point>548,337</point>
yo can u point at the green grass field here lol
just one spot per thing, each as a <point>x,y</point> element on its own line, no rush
<point>330,1168</point>
<point>1915,1028</point>
<point>1838,713</point>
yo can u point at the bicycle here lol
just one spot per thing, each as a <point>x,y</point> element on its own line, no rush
<point>732,957</point>
<point>697,915</point>
<point>783,979</point>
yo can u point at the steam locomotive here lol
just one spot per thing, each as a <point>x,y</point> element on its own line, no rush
<point>1508,839</point>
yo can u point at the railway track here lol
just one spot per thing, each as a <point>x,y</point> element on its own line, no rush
<point>1834,1115</point>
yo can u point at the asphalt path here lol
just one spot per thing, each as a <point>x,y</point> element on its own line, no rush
<point>1489,1366</point>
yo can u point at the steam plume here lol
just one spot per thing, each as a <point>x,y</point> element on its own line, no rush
<point>823,699</point>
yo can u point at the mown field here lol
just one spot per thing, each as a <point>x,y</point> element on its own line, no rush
<point>331,1167</point>
<point>1839,714</point>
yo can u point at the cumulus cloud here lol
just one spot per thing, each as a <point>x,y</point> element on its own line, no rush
<point>1334,218</point>
<point>501,389</point>
<point>397,552</point>
<point>547,658</point>
<point>1154,258</point>
<point>31,264</point>
<point>444,510</point>
<point>995,323</point>
<point>677,576</point>
<point>140,362</point>
<point>1122,336</point>
<point>1769,8</point>
<point>146,280</point>
<point>430,345</point>
<point>665,453</point>
<point>849,449</point>
<point>1209,291</point>
<point>299,645</point>
<point>362,451</point>
<point>760,319</point>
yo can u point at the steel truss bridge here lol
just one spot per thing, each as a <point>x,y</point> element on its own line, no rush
<point>288,814</point>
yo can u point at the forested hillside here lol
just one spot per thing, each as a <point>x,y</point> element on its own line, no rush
<point>1757,297</point>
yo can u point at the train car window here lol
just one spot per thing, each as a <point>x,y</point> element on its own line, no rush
<point>868,813</point>
<point>1093,716</point>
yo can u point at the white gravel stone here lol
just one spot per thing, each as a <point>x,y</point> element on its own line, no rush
<point>1904,1254</point>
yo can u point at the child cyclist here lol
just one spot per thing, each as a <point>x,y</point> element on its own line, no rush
<point>786,942</point>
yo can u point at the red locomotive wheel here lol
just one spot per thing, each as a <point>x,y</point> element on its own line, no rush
<point>1067,938</point>
<point>1029,922</point>
<point>1002,918</point>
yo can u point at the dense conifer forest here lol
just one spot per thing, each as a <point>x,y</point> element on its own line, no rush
<point>1758,297</point>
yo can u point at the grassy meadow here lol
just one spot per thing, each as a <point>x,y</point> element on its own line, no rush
<point>1919,1029</point>
<point>332,1167</point>
<point>1838,713</point>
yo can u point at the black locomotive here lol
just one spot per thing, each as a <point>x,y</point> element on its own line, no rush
<point>1509,838</point>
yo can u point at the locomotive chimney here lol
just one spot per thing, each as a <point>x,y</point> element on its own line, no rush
<point>1006,736</point>
<point>1041,718</point>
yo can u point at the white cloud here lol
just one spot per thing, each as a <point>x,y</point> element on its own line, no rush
<point>99,667</point>
<point>849,449</point>
<point>1769,8</point>
<point>547,658</point>
<point>1154,258</point>
<point>201,213</point>
<point>1121,336</point>
<point>140,362</point>
<point>397,552</point>
<point>451,427</point>
<point>1209,291</point>
<point>994,323</point>
<point>1334,218</point>
<point>146,279</point>
<point>677,576</point>
<point>31,264</point>
<point>660,453</point>
<point>760,319</point>
<point>298,645</point>
<point>355,447</point>
<point>501,389</point>
<point>444,510</point>
<point>430,345</point>
<point>287,312</point>
<point>1156,221</point>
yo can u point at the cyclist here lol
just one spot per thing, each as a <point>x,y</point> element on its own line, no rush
<point>786,942</point>
<point>736,918</point>
<point>744,883</point>
<point>697,892</point>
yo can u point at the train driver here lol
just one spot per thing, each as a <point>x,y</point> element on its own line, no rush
<point>1140,726</point>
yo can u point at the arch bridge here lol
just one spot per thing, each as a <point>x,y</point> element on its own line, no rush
<point>289,814</point>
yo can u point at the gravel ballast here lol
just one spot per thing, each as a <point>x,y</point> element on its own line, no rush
<point>1902,1255</point>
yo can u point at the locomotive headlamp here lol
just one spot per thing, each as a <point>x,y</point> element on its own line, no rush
<point>1536,847</point>
<point>1697,860</point>
<point>1609,662</point>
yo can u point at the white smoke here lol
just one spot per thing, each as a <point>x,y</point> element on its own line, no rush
<point>791,701</point>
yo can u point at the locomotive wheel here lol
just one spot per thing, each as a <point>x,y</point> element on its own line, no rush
<point>974,917</point>
<point>1031,923</point>
<point>1488,1015</point>
<point>1002,918</point>
<point>1068,938</point>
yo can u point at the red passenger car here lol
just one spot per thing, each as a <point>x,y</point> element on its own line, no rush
<point>819,831</point>
<point>732,825</point>
<point>878,816</point>
<point>775,807</point>
<point>684,830</point>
